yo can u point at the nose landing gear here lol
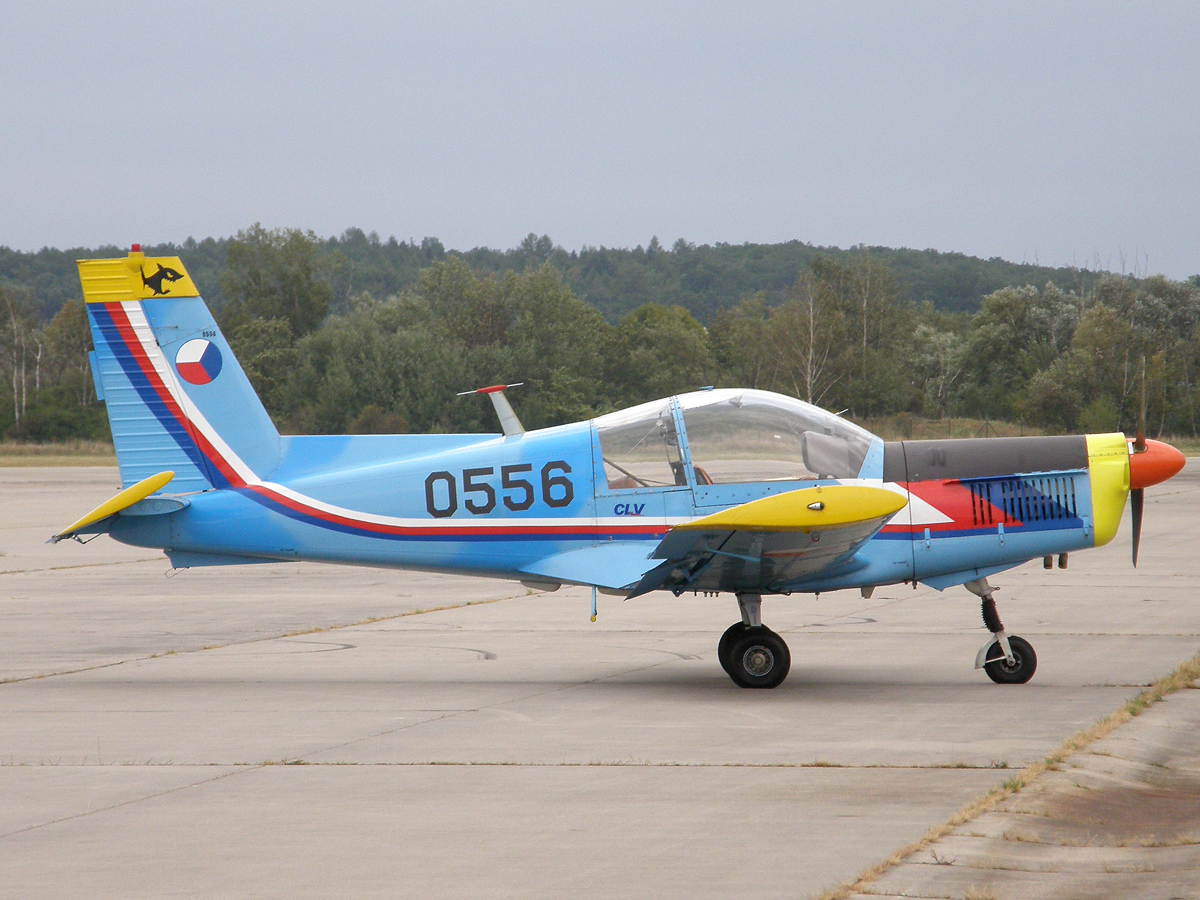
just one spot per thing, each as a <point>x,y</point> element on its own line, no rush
<point>1007,659</point>
<point>752,654</point>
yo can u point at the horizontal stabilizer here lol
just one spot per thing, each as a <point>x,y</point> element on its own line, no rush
<point>157,506</point>
<point>124,500</point>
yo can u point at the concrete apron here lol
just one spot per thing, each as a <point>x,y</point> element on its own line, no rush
<point>303,731</point>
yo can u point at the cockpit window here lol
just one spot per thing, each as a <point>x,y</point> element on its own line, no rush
<point>741,436</point>
<point>640,447</point>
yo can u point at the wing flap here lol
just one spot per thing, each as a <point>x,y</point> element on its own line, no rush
<point>613,564</point>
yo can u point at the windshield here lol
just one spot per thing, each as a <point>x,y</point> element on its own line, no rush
<point>640,447</point>
<point>747,435</point>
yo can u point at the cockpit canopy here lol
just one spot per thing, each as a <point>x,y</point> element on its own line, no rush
<point>640,446</point>
<point>732,436</point>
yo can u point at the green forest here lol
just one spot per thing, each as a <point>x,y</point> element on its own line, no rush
<point>355,334</point>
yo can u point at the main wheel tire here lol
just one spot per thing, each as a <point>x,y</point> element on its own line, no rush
<point>1023,666</point>
<point>725,645</point>
<point>759,659</point>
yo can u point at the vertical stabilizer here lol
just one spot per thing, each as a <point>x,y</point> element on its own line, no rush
<point>176,397</point>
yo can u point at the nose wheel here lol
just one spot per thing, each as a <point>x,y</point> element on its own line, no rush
<point>752,654</point>
<point>1018,670</point>
<point>1006,658</point>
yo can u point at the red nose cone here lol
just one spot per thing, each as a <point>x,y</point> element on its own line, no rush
<point>1156,464</point>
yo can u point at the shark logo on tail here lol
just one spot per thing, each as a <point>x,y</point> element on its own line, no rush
<point>155,281</point>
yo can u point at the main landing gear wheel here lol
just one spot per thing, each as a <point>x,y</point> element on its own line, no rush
<point>759,658</point>
<point>1021,669</point>
<point>725,645</point>
<point>751,653</point>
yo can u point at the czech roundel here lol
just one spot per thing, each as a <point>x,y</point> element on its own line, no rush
<point>198,361</point>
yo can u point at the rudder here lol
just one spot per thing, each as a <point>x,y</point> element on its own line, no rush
<point>175,395</point>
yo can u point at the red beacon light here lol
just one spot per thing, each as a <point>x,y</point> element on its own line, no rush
<point>136,248</point>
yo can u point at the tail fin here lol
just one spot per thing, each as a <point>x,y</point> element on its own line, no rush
<point>176,397</point>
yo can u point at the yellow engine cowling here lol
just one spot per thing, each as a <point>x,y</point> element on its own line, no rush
<point>1108,472</point>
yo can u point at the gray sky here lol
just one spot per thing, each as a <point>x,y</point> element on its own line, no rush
<point>1056,133</point>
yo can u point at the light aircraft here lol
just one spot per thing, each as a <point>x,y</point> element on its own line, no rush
<point>729,491</point>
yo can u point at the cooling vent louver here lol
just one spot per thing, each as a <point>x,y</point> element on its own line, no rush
<point>1038,499</point>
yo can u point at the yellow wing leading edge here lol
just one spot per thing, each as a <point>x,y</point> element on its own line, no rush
<point>805,510</point>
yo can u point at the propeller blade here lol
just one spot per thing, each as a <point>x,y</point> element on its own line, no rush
<point>1139,442</point>
<point>1153,463</point>
<point>1137,498</point>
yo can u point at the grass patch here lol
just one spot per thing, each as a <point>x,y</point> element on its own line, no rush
<point>905,427</point>
<point>65,453</point>
<point>1184,676</point>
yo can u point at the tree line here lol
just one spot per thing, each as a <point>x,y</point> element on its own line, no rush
<point>334,346</point>
<point>703,279</point>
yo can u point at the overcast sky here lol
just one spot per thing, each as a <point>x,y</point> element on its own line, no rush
<point>1056,133</point>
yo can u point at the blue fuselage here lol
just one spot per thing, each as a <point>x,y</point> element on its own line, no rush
<point>498,506</point>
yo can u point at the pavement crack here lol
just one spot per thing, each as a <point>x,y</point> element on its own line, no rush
<point>123,803</point>
<point>257,640</point>
<point>98,666</point>
<point>96,565</point>
<point>626,764</point>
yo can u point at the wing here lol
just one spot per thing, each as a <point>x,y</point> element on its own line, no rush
<point>768,543</point>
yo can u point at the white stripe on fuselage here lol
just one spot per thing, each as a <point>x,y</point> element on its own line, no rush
<point>922,512</point>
